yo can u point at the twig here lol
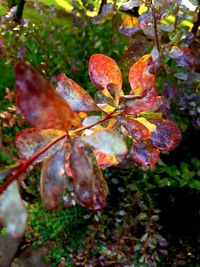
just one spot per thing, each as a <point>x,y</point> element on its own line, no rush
<point>24,164</point>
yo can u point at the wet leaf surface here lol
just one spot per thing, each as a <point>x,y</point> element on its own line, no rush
<point>74,95</point>
<point>140,76</point>
<point>134,128</point>
<point>40,104</point>
<point>136,105</point>
<point>143,153</point>
<point>167,135</point>
<point>107,142</point>
<point>52,179</point>
<point>103,70</point>
<point>30,140</point>
<point>90,186</point>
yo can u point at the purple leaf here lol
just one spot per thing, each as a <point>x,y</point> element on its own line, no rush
<point>143,153</point>
<point>167,135</point>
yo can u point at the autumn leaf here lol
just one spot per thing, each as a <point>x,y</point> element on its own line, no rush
<point>52,179</point>
<point>140,76</point>
<point>40,104</point>
<point>134,128</point>
<point>144,153</point>
<point>103,71</point>
<point>135,105</point>
<point>90,187</point>
<point>74,95</point>
<point>167,135</point>
<point>107,142</point>
<point>30,140</point>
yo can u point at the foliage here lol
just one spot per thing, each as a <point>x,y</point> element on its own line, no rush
<point>157,41</point>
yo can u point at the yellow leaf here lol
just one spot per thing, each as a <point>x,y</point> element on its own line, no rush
<point>150,126</point>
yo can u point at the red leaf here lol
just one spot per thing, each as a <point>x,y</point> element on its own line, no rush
<point>39,103</point>
<point>52,179</point>
<point>135,105</point>
<point>90,186</point>
<point>103,71</point>
<point>140,77</point>
<point>167,135</point>
<point>143,153</point>
<point>30,140</point>
<point>134,128</point>
<point>74,95</point>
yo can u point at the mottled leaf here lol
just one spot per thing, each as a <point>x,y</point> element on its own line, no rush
<point>13,213</point>
<point>131,4</point>
<point>184,57</point>
<point>90,120</point>
<point>106,141</point>
<point>167,135</point>
<point>145,22</point>
<point>135,105</point>
<point>74,95</point>
<point>90,186</point>
<point>104,160</point>
<point>103,70</point>
<point>129,26</point>
<point>143,153</point>
<point>150,126</point>
<point>52,179</point>
<point>134,128</point>
<point>140,77</point>
<point>162,105</point>
<point>40,104</point>
<point>30,140</point>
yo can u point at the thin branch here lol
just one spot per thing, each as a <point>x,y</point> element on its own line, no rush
<point>155,27</point>
<point>25,164</point>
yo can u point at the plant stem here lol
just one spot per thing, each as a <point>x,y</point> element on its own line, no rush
<point>24,164</point>
<point>155,27</point>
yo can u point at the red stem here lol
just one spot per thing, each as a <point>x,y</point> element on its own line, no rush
<point>24,164</point>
